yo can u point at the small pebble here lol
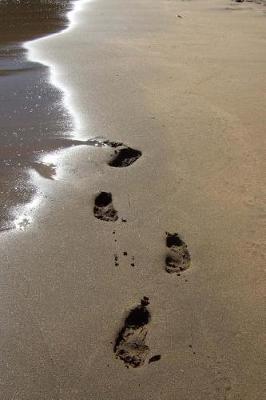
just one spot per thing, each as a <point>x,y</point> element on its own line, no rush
<point>155,358</point>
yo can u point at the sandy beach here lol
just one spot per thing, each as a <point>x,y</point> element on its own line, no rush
<point>184,83</point>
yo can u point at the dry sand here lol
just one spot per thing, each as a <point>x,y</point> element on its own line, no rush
<point>190,94</point>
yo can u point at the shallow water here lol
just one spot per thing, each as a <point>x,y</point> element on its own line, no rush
<point>33,119</point>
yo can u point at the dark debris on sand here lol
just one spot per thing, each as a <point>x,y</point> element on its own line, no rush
<point>155,358</point>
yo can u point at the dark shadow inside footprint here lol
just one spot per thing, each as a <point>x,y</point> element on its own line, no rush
<point>173,240</point>
<point>103,199</point>
<point>178,259</point>
<point>137,317</point>
<point>130,344</point>
<point>103,207</point>
<point>124,157</point>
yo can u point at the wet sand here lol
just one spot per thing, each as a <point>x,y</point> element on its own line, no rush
<point>33,120</point>
<point>184,83</point>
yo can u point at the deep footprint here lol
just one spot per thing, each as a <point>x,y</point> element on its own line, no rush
<point>130,344</point>
<point>124,157</point>
<point>103,207</point>
<point>178,259</point>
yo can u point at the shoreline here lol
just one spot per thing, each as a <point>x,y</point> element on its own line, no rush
<point>41,124</point>
<point>32,53</point>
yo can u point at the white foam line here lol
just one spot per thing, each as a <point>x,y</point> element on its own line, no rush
<point>23,216</point>
<point>35,55</point>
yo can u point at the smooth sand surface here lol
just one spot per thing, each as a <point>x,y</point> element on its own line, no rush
<point>190,94</point>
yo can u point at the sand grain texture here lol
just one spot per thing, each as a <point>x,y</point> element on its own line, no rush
<point>189,93</point>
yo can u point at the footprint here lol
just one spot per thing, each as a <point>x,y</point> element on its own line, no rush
<point>103,207</point>
<point>124,157</point>
<point>130,344</point>
<point>178,259</point>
